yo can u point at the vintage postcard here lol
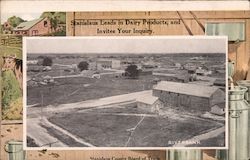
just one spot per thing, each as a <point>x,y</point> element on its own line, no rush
<point>125,92</point>
<point>202,19</point>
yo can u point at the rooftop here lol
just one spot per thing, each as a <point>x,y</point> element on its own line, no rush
<point>186,88</point>
<point>27,25</point>
<point>148,99</point>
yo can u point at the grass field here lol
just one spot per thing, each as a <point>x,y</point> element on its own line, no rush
<point>106,127</point>
<point>69,90</point>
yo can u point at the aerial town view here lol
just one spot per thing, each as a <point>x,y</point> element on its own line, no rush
<point>125,99</point>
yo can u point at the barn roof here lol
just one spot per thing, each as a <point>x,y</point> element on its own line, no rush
<point>186,88</point>
<point>27,25</point>
<point>147,99</point>
<point>220,105</point>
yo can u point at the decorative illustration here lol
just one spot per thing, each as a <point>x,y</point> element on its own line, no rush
<point>48,24</point>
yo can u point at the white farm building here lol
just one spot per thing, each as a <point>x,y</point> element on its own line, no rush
<point>149,103</point>
<point>191,96</point>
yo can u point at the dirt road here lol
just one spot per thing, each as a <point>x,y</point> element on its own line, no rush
<point>40,134</point>
<point>91,103</point>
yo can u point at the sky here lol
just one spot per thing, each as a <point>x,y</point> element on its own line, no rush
<point>31,9</point>
<point>109,45</point>
<point>25,16</point>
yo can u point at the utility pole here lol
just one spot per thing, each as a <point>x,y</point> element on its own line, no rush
<point>41,104</point>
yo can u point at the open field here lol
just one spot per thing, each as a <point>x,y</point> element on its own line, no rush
<point>82,88</point>
<point>114,127</point>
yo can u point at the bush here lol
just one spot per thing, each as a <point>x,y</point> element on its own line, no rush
<point>59,33</point>
<point>47,61</point>
<point>11,90</point>
<point>14,111</point>
<point>132,71</point>
<point>83,65</point>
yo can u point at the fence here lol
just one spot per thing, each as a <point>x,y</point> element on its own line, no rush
<point>11,40</point>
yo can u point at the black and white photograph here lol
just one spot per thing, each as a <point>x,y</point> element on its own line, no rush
<point>166,91</point>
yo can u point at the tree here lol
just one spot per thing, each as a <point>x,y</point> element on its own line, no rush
<point>83,65</point>
<point>132,71</point>
<point>11,89</point>
<point>47,61</point>
<point>15,21</point>
<point>55,18</point>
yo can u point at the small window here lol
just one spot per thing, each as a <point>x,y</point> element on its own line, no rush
<point>34,32</point>
<point>234,30</point>
<point>45,24</point>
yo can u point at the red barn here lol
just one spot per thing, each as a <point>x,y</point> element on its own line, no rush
<point>35,27</point>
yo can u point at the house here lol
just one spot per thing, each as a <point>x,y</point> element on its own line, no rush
<point>108,64</point>
<point>47,68</point>
<point>34,68</point>
<point>175,77</point>
<point>149,103</point>
<point>221,82</point>
<point>103,64</point>
<point>116,64</point>
<point>190,67</point>
<point>35,27</point>
<point>202,72</point>
<point>32,62</point>
<point>177,65</point>
<point>7,28</point>
<point>191,96</point>
<point>218,109</point>
<point>48,79</point>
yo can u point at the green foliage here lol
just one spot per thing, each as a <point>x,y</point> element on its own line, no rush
<point>61,17</point>
<point>47,14</point>
<point>14,111</point>
<point>10,88</point>
<point>60,33</point>
<point>55,18</point>
<point>47,61</point>
<point>132,71</point>
<point>1,29</point>
<point>15,21</point>
<point>83,65</point>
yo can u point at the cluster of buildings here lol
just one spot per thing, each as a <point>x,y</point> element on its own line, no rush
<point>173,88</point>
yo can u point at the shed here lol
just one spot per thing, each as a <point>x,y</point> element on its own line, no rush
<point>108,64</point>
<point>220,82</point>
<point>149,103</point>
<point>201,97</point>
<point>218,109</point>
<point>176,77</point>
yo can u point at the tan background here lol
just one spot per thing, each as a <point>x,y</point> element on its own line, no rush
<point>191,20</point>
<point>191,23</point>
